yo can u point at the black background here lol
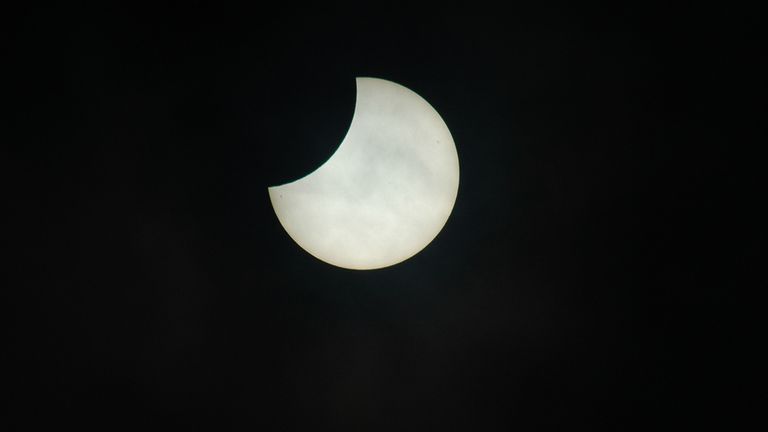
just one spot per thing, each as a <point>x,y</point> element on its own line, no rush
<point>584,279</point>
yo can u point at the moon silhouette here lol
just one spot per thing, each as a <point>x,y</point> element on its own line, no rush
<point>385,193</point>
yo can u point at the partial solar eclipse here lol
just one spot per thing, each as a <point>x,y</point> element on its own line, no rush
<point>385,193</point>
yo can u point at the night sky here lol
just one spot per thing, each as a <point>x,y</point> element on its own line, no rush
<point>582,281</point>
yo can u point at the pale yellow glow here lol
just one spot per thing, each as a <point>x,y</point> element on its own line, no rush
<point>385,193</point>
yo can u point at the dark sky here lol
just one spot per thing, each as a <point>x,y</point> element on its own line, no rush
<point>581,282</point>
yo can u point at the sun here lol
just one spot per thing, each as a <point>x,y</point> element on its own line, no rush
<point>385,193</point>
